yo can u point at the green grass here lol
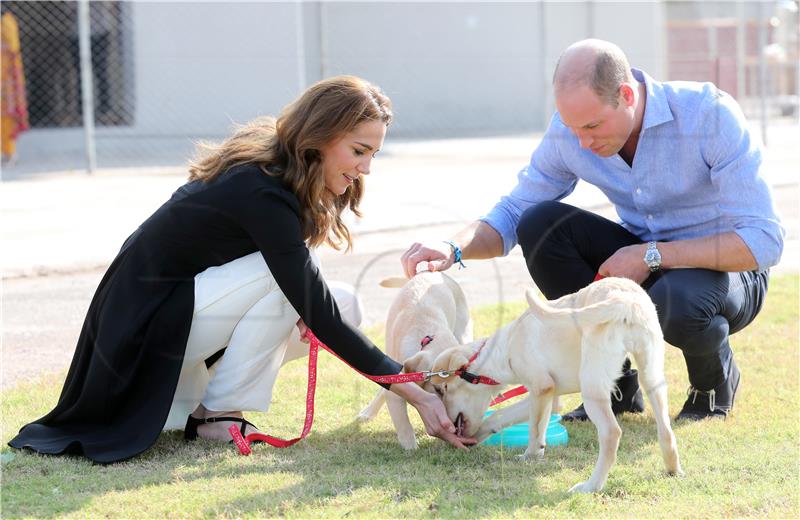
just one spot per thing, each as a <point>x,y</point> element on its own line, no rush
<point>746,466</point>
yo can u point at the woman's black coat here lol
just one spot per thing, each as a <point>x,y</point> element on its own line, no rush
<point>123,376</point>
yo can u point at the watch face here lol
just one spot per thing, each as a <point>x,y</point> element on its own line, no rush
<point>652,258</point>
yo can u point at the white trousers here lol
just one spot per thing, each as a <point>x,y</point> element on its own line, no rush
<point>239,306</point>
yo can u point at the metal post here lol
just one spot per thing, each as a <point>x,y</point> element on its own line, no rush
<point>547,87</point>
<point>797,64</point>
<point>323,40</point>
<point>762,68</point>
<point>87,88</point>
<point>741,52</point>
<point>713,50</point>
<point>301,44</point>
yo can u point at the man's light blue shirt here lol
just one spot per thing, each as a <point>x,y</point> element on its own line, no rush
<point>695,173</point>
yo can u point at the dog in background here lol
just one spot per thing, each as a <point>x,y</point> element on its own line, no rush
<point>427,316</point>
<point>575,343</point>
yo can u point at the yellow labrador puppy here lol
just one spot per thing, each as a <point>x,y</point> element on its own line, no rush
<point>429,315</point>
<point>575,343</point>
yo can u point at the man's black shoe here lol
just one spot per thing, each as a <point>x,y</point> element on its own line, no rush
<point>717,402</point>
<point>627,398</point>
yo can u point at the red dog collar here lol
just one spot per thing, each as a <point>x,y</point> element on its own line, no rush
<point>471,378</point>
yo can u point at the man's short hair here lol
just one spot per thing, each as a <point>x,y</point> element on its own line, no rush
<point>611,69</point>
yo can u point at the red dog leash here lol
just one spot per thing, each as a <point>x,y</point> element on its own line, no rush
<point>243,442</point>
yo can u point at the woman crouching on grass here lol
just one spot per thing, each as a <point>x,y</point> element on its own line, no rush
<point>225,264</point>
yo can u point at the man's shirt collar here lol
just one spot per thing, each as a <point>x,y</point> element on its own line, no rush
<point>656,110</point>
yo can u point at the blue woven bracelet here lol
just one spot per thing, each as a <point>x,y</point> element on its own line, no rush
<point>456,254</point>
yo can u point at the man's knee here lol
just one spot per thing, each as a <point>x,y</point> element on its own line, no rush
<point>690,319</point>
<point>538,221</point>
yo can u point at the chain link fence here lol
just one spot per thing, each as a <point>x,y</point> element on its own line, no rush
<point>49,40</point>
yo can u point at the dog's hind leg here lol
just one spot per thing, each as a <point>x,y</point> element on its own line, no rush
<point>608,434</point>
<point>371,410</point>
<point>650,362</point>
<point>399,412</point>
<point>595,387</point>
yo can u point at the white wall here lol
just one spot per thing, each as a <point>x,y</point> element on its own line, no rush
<point>199,66</point>
<point>450,68</point>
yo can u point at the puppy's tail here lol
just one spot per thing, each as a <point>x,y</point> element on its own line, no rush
<point>619,306</point>
<point>393,282</point>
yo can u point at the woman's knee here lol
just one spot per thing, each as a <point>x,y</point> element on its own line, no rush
<point>350,305</point>
<point>242,281</point>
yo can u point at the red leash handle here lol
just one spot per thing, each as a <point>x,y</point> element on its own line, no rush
<point>243,443</point>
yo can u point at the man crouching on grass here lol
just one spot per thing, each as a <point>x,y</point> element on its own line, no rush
<point>698,229</point>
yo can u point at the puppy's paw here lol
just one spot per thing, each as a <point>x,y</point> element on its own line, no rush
<point>678,473</point>
<point>408,443</point>
<point>531,457</point>
<point>583,487</point>
<point>535,454</point>
<point>364,416</point>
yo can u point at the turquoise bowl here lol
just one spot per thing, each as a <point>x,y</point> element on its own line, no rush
<point>516,436</point>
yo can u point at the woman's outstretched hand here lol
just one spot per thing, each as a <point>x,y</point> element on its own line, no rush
<point>433,414</point>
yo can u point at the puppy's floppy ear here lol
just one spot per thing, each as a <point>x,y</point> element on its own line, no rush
<point>450,360</point>
<point>458,359</point>
<point>419,362</point>
<point>393,282</point>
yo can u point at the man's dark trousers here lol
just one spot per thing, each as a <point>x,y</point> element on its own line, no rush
<point>698,308</point>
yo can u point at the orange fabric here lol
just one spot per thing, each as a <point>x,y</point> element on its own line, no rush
<point>13,102</point>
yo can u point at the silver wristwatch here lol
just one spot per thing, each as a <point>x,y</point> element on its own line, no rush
<point>652,257</point>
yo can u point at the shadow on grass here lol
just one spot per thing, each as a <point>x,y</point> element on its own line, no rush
<point>487,481</point>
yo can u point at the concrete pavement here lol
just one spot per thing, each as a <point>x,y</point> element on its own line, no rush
<point>66,221</point>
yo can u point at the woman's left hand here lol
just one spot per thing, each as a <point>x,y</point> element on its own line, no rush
<point>433,414</point>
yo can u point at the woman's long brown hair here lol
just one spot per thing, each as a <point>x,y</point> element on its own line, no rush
<point>289,148</point>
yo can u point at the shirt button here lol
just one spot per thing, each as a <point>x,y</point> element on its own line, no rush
<point>650,217</point>
<point>638,191</point>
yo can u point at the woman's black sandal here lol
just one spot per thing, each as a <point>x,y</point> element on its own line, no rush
<point>190,430</point>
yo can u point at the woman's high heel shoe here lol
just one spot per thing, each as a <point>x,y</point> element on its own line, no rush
<point>190,430</point>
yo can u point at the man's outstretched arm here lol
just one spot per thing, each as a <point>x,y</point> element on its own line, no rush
<point>478,240</point>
